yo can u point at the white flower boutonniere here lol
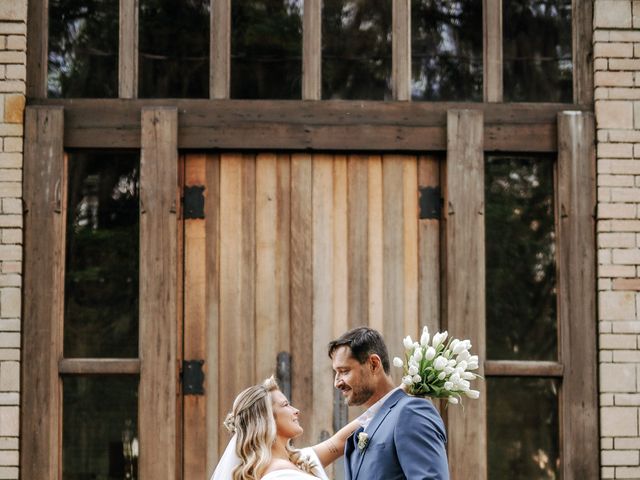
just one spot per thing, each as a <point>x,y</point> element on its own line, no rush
<point>363,440</point>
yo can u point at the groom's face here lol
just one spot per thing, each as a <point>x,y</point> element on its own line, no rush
<point>353,379</point>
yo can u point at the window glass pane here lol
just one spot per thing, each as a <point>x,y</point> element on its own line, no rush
<point>101,279</point>
<point>83,48</point>
<point>523,428</point>
<point>356,49</point>
<point>174,48</point>
<point>537,50</point>
<point>266,49</point>
<point>520,258</point>
<point>99,428</point>
<point>446,50</point>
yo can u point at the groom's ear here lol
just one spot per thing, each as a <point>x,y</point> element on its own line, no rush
<point>375,364</point>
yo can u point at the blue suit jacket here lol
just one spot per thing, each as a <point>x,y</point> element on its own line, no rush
<point>406,441</point>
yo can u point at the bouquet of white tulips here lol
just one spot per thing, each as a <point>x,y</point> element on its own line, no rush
<point>440,369</point>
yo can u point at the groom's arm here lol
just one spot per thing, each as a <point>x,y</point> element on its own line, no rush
<point>333,448</point>
<point>420,441</point>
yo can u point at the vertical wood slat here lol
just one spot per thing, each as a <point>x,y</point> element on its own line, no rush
<point>466,279</point>
<point>582,47</point>
<point>492,42</point>
<point>301,284</point>
<point>195,323</point>
<point>312,50</point>
<point>376,247</point>
<point>128,50</point>
<point>158,305</point>
<point>401,48</point>
<point>38,51</point>
<point>220,63</point>
<point>283,246</point>
<point>577,287</point>
<point>44,196</point>
<point>340,280</point>
<point>212,305</point>
<point>410,244</point>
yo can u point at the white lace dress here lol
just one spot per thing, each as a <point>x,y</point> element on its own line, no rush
<point>295,474</point>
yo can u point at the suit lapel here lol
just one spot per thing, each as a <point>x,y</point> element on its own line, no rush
<point>349,451</point>
<point>375,425</point>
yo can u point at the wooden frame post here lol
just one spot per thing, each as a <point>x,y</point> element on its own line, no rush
<point>128,50</point>
<point>220,64</point>
<point>401,48</point>
<point>465,280</point>
<point>492,44</point>
<point>577,287</point>
<point>312,50</point>
<point>158,293</point>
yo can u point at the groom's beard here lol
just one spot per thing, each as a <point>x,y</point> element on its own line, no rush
<point>359,396</point>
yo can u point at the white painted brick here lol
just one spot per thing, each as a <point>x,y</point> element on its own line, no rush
<point>618,377</point>
<point>631,326</point>
<point>624,64</point>
<point>612,271</point>
<point>626,356</point>
<point>619,421</point>
<point>614,114</point>
<point>624,35</point>
<point>604,194</point>
<point>9,302</point>
<point>614,79</point>
<point>621,457</point>
<point>621,240</point>
<point>618,342</point>
<point>612,50</point>
<point>11,221</point>
<point>13,144</point>
<point>11,280</point>
<point>9,443</point>
<point>9,340</point>
<point>626,256</point>
<point>606,443</point>
<point>623,93</point>
<point>606,356</point>
<point>8,458</point>
<point>20,28</point>
<point>604,257</point>
<point>606,400</point>
<point>628,472</point>
<point>11,236</point>
<point>8,473</point>
<point>9,353</point>
<point>624,443</point>
<point>616,210</point>
<point>603,284</point>
<point>607,473</point>
<point>625,225</point>
<point>9,376</point>
<point>615,150</point>
<point>600,64</point>
<point>10,398</point>
<point>9,421</point>
<point>10,160</point>
<point>627,399</point>
<point>612,14</point>
<point>11,267</point>
<point>17,42</point>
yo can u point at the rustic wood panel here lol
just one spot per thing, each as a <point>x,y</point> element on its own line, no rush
<point>158,306</point>
<point>128,50</point>
<point>340,280</point>
<point>410,247</point>
<point>220,62</point>
<point>195,333</point>
<point>429,249</point>
<point>582,35</point>
<point>302,284</point>
<point>312,50</point>
<point>401,50</point>
<point>283,247</point>
<point>99,366</point>
<point>492,45</point>
<point>376,247</point>
<point>466,280</point>
<point>523,369</point>
<point>38,51</point>
<point>44,197</point>
<point>577,287</point>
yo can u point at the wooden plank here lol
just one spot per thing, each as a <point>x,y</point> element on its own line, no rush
<point>99,366</point>
<point>492,44</point>
<point>358,240</point>
<point>44,196</point>
<point>283,246</point>
<point>38,51</point>
<point>341,255</point>
<point>195,323</point>
<point>376,248</point>
<point>393,254</point>
<point>410,247</point>
<point>320,418</point>
<point>429,248</point>
<point>401,47</point>
<point>523,369</point>
<point>212,302</point>
<point>293,125</point>
<point>220,63</point>
<point>312,50</point>
<point>577,287</point>
<point>301,285</point>
<point>582,46</point>
<point>158,306</point>
<point>128,50</point>
<point>466,280</point>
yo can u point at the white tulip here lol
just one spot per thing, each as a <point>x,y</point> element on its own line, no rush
<point>397,362</point>
<point>438,338</point>
<point>430,353</point>
<point>417,378</point>
<point>424,339</point>
<point>448,385</point>
<point>472,366</point>
<point>451,363</point>
<point>459,348</point>
<point>407,380</point>
<point>454,343</point>
<point>455,378</point>
<point>472,394</point>
<point>408,343</point>
<point>417,355</point>
<point>412,370</point>
<point>464,384</point>
<point>462,365</point>
<point>442,375</point>
<point>440,363</point>
<point>468,375</point>
<point>463,355</point>
<point>449,370</point>
<point>453,400</point>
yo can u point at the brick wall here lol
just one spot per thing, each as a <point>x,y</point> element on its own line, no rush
<point>13,43</point>
<point>617,105</point>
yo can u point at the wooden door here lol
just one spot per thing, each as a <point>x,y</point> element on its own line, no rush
<point>284,252</point>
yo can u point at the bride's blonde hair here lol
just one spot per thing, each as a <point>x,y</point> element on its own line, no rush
<point>253,421</point>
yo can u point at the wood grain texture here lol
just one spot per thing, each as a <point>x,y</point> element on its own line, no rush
<point>492,45</point>
<point>358,240</point>
<point>44,197</point>
<point>401,50</point>
<point>99,366</point>
<point>128,50</point>
<point>38,51</point>
<point>158,305</point>
<point>466,280</point>
<point>410,247</point>
<point>582,46</point>
<point>376,243</point>
<point>283,248</point>
<point>312,50</point>
<point>523,369</point>
<point>577,287</point>
<point>340,281</point>
<point>220,62</point>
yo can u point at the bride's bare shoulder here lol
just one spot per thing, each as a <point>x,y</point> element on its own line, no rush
<point>279,464</point>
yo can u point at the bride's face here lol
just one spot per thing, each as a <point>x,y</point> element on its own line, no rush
<point>286,416</point>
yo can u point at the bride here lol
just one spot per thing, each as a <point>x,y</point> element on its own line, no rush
<point>263,422</point>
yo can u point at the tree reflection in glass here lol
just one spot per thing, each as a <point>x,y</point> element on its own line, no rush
<point>537,51</point>
<point>266,49</point>
<point>446,50</point>
<point>83,48</point>
<point>356,49</point>
<point>101,277</point>
<point>520,258</point>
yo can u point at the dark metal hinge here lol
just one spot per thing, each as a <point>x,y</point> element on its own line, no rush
<point>192,377</point>
<point>430,202</point>
<point>194,202</point>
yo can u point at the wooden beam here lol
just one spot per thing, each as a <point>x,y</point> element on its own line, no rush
<point>99,366</point>
<point>492,20</point>
<point>401,48</point>
<point>576,293</point>
<point>220,64</point>
<point>582,47</point>
<point>159,200</point>
<point>312,50</point>
<point>128,50</point>
<point>45,206</point>
<point>522,369</point>
<point>466,280</point>
<point>38,51</point>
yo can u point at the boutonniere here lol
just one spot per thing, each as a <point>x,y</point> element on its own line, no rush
<point>363,440</point>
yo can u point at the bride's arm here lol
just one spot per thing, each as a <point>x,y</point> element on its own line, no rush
<point>333,448</point>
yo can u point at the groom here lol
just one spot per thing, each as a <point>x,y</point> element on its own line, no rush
<point>403,436</point>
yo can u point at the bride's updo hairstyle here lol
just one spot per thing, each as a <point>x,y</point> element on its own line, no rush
<point>252,420</point>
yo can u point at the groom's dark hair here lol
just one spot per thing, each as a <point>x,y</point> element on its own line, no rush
<point>363,341</point>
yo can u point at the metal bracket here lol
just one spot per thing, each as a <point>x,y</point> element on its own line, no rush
<point>192,377</point>
<point>430,203</point>
<point>194,202</point>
